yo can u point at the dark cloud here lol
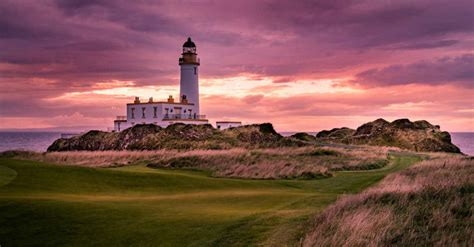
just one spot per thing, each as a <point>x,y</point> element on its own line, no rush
<point>54,47</point>
<point>71,5</point>
<point>428,45</point>
<point>448,70</point>
<point>276,38</point>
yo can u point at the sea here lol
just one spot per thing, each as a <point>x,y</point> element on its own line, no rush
<point>39,141</point>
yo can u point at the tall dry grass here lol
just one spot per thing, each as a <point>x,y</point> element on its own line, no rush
<point>429,204</point>
<point>302,162</point>
<point>268,163</point>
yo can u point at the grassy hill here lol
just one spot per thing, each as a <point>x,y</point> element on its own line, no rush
<point>419,136</point>
<point>44,204</point>
<point>177,136</point>
<point>428,204</point>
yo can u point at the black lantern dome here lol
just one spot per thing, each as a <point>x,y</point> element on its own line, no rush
<point>189,46</point>
<point>189,43</point>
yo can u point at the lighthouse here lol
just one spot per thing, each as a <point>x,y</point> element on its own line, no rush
<point>163,113</point>
<point>183,110</point>
<point>189,82</point>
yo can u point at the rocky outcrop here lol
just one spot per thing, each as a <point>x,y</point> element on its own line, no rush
<point>402,133</point>
<point>302,136</point>
<point>176,136</point>
<point>416,136</point>
<point>336,133</point>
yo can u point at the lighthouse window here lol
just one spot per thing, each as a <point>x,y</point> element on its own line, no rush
<point>154,111</point>
<point>195,70</point>
<point>143,112</point>
<point>133,112</point>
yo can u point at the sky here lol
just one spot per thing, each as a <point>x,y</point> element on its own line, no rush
<point>301,65</point>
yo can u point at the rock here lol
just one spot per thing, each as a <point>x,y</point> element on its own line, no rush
<point>371,127</point>
<point>91,141</point>
<point>336,133</point>
<point>416,136</point>
<point>175,136</point>
<point>302,136</point>
<point>402,133</point>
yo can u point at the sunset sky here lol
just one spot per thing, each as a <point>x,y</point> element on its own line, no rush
<point>301,65</point>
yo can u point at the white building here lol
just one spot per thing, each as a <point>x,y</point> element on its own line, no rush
<point>186,110</point>
<point>222,125</point>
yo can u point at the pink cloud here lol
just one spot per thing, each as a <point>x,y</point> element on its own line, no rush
<point>391,49</point>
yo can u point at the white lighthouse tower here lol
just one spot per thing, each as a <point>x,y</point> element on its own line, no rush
<point>189,83</point>
<point>163,113</point>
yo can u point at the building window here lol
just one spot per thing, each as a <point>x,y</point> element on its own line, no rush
<point>155,109</point>
<point>143,112</point>
<point>195,70</point>
<point>133,113</point>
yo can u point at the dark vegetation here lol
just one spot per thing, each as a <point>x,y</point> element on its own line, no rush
<point>420,136</point>
<point>302,136</point>
<point>176,136</point>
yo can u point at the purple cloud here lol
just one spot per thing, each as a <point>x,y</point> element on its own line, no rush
<point>448,70</point>
<point>53,47</point>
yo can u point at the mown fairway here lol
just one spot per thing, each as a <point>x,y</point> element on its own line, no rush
<point>51,205</point>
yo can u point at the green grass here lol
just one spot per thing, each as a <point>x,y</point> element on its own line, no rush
<point>51,205</point>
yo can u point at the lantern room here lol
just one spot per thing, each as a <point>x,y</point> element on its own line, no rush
<point>189,55</point>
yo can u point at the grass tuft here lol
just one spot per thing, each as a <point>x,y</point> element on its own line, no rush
<point>429,204</point>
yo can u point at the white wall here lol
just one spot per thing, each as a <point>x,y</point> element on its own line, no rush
<point>189,84</point>
<point>150,117</point>
<point>149,113</point>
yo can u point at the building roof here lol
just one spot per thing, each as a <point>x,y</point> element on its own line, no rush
<point>229,122</point>
<point>189,43</point>
<point>161,102</point>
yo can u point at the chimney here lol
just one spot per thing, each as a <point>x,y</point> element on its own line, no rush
<point>184,100</point>
<point>150,100</point>
<point>170,99</point>
<point>137,100</point>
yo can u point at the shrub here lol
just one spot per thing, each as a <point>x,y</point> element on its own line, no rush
<point>364,165</point>
<point>178,162</point>
<point>319,152</point>
<point>314,175</point>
